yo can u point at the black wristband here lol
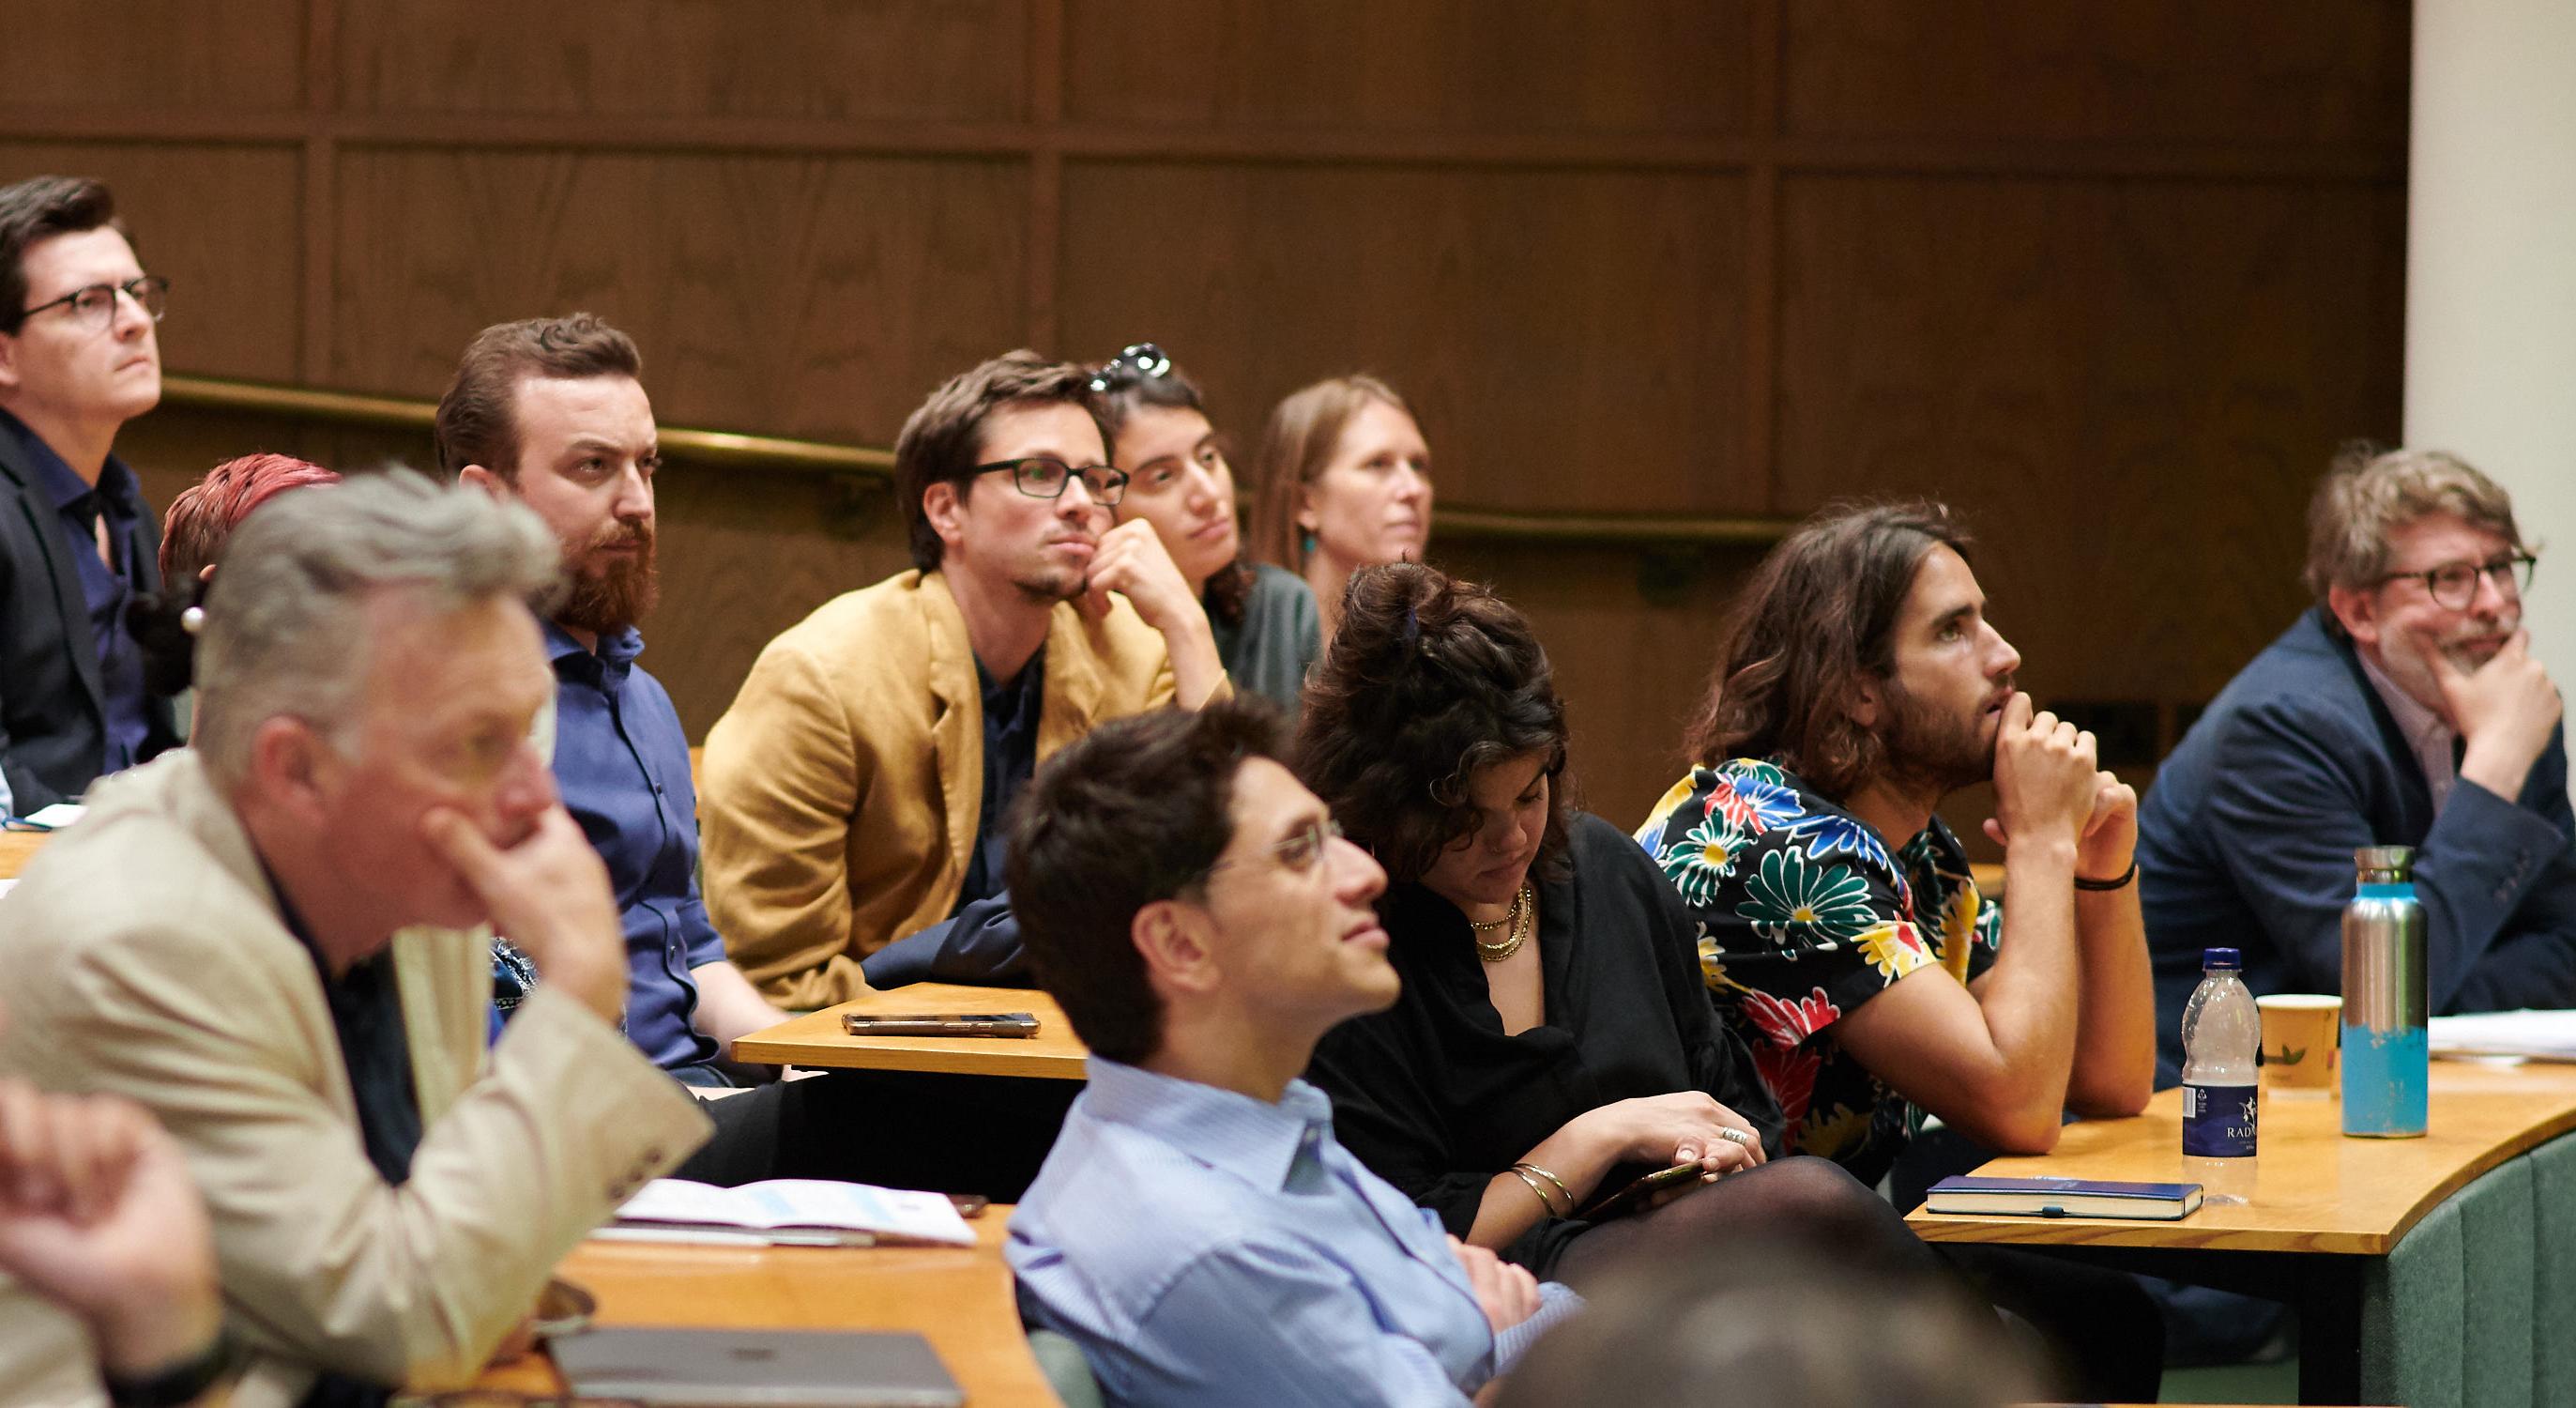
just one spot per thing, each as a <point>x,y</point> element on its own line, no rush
<point>181,1383</point>
<point>2119,882</point>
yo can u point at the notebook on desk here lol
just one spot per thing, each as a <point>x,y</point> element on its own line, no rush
<point>2039,1195</point>
<point>756,1368</point>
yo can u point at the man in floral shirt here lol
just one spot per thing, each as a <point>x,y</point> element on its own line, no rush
<point>1840,929</point>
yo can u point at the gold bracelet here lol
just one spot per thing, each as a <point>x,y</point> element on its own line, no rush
<point>1552,1178</point>
<point>1535,1191</point>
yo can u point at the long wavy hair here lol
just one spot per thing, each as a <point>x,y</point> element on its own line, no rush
<point>1817,620</point>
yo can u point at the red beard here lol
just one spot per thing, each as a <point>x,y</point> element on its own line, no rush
<point>609,595</point>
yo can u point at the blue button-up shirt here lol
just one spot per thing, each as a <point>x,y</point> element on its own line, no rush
<point>1204,1247</point>
<point>105,589</point>
<point>622,763</point>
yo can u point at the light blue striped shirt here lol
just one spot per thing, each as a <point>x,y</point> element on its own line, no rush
<point>1204,1247</point>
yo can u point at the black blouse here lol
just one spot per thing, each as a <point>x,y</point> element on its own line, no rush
<point>1437,1100</point>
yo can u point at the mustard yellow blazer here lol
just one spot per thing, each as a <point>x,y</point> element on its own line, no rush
<point>840,793</point>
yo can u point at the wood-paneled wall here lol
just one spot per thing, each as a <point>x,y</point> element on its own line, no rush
<point>2112,278</point>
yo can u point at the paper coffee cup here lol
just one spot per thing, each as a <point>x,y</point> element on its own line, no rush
<point>2302,1043</point>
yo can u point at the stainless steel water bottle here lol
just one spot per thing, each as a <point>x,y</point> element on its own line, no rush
<point>2386,1063</point>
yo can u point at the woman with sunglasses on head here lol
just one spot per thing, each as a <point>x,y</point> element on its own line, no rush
<point>1346,484</point>
<point>1553,1042</point>
<point>1179,480</point>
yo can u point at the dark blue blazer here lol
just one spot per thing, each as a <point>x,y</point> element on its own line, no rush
<point>2246,841</point>
<point>53,717</point>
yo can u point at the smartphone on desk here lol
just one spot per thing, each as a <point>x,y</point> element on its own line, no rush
<point>945,1024</point>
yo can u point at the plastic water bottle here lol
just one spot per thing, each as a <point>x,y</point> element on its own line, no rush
<point>2221,1032</point>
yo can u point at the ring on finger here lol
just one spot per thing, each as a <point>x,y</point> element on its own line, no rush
<point>1736,1136</point>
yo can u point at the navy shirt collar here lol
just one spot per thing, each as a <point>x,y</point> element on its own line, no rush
<point>117,485</point>
<point>618,648</point>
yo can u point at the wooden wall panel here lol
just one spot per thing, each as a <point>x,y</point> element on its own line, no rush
<point>2129,387</point>
<point>2300,71</point>
<point>2113,277</point>
<point>1566,337</point>
<point>219,223</point>
<point>817,297</point>
<point>743,555</point>
<point>243,55</point>
<point>1490,67</point>
<point>829,59</point>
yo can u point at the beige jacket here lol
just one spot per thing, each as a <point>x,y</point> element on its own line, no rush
<point>145,957</point>
<point>840,793</point>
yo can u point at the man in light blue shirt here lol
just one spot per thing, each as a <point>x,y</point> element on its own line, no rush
<point>1197,1229</point>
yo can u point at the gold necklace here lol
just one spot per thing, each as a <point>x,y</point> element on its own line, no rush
<point>1523,910</point>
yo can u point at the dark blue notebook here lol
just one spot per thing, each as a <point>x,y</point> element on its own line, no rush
<point>2063,1197</point>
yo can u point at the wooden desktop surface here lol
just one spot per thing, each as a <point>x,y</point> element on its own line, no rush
<point>959,1299</point>
<point>2316,1191</point>
<point>816,1039</point>
<point>16,849</point>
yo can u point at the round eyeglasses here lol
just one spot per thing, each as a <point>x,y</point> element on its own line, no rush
<point>94,307</point>
<point>2454,585</point>
<point>1046,477</point>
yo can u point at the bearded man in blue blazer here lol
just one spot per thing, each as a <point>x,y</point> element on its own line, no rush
<point>2404,709</point>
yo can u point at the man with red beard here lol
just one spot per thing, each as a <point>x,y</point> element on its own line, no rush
<point>1843,933</point>
<point>550,412</point>
<point>2403,709</point>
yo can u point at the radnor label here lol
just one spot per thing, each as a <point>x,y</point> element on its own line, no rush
<point>2218,1121</point>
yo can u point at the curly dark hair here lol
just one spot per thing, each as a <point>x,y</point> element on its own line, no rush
<point>1427,682</point>
<point>1818,616</point>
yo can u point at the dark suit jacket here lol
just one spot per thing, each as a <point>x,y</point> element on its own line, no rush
<point>2246,841</point>
<point>53,729</point>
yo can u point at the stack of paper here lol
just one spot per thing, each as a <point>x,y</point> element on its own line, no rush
<point>788,1212</point>
<point>2537,1035</point>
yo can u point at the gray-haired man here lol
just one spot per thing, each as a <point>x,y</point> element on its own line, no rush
<point>229,939</point>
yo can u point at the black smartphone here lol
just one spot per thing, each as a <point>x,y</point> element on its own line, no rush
<point>1633,1197</point>
<point>942,1024</point>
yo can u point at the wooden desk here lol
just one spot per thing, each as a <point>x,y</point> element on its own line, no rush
<point>2322,1205</point>
<point>17,848</point>
<point>816,1039</point>
<point>2316,1191</point>
<point>960,1300</point>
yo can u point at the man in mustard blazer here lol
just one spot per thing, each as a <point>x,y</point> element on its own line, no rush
<point>231,938</point>
<point>854,792</point>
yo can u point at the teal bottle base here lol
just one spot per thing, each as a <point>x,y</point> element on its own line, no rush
<point>2385,1075</point>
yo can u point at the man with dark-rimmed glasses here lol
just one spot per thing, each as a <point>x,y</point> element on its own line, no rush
<point>2404,709</point>
<point>853,794</point>
<point>78,359</point>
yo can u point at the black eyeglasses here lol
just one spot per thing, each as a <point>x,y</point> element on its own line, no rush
<point>1137,361</point>
<point>94,307</point>
<point>2454,585</point>
<point>1045,477</point>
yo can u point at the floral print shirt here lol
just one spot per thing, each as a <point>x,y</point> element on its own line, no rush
<point>1804,914</point>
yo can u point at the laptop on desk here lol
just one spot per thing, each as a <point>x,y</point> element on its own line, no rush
<point>756,1368</point>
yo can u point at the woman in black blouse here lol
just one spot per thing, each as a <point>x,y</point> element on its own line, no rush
<point>1553,1040</point>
